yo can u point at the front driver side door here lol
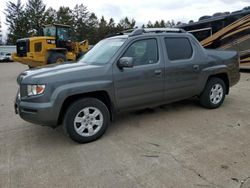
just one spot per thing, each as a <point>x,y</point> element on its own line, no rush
<point>144,83</point>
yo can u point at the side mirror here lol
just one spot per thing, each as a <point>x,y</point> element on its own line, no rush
<point>125,62</point>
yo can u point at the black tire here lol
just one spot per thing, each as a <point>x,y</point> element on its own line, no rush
<point>76,110</point>
<point>56,58</point>
<point>218,98</point>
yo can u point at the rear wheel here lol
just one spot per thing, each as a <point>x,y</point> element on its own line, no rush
<point>86,120</point>
<point>213,94</point>
<point>56,58</point>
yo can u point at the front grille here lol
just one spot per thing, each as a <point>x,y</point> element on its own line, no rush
<point>22,47</point>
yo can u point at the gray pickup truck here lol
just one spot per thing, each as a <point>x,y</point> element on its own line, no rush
<point>133,70</point>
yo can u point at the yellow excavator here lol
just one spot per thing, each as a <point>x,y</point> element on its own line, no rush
<point>55,46</point>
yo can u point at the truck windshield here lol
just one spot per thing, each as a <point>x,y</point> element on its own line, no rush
<point>49,31</point>
<point>63,33</point>
<point>103,51</point>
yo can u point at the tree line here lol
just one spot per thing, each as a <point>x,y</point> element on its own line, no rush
<point>25,20</point>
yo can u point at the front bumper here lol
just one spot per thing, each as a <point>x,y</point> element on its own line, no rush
<point>37,113</point>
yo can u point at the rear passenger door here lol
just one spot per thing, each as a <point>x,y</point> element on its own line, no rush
<point>182,67</point>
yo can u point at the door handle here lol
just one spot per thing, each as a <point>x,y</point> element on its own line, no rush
<point>196,67</point>
<point>157,72</point>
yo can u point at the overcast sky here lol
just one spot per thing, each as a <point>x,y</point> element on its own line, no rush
<point>144,10</point>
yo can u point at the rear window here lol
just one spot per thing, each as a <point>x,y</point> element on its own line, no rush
<point>178,48</point>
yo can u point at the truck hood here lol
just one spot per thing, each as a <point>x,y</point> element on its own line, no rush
<point>67,72</point>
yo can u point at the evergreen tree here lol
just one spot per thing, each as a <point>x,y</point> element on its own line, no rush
<point>16,21</point>
<point>170,23</point>
<point>50,16</point>
<point>92,25</point>
<point>156,24</point>
<point>125,24</point>
<point>65,16</point>
<point>80,16</point>
<point>102,28</point>
<point>179,23</point>
<point>34,12</point>
<point>111,26</point>
<point>162,23</point>
<point>150,25</point>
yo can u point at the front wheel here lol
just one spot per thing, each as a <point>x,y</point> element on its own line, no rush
<point>86,120</point>
<point>56,58</point>
<point>213,94</point>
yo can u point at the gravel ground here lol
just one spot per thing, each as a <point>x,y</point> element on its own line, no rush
<point>176,145</point>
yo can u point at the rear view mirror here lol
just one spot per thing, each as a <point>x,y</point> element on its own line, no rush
<point>125,62</point>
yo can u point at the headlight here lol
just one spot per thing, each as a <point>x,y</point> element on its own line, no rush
<point>35,89</point>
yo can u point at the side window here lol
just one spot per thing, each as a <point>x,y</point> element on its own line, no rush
<point>178,48</point>
<point>143,52</point>
<point>38,47</point>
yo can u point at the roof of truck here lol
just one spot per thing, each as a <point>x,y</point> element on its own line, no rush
<point>145,31</point>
